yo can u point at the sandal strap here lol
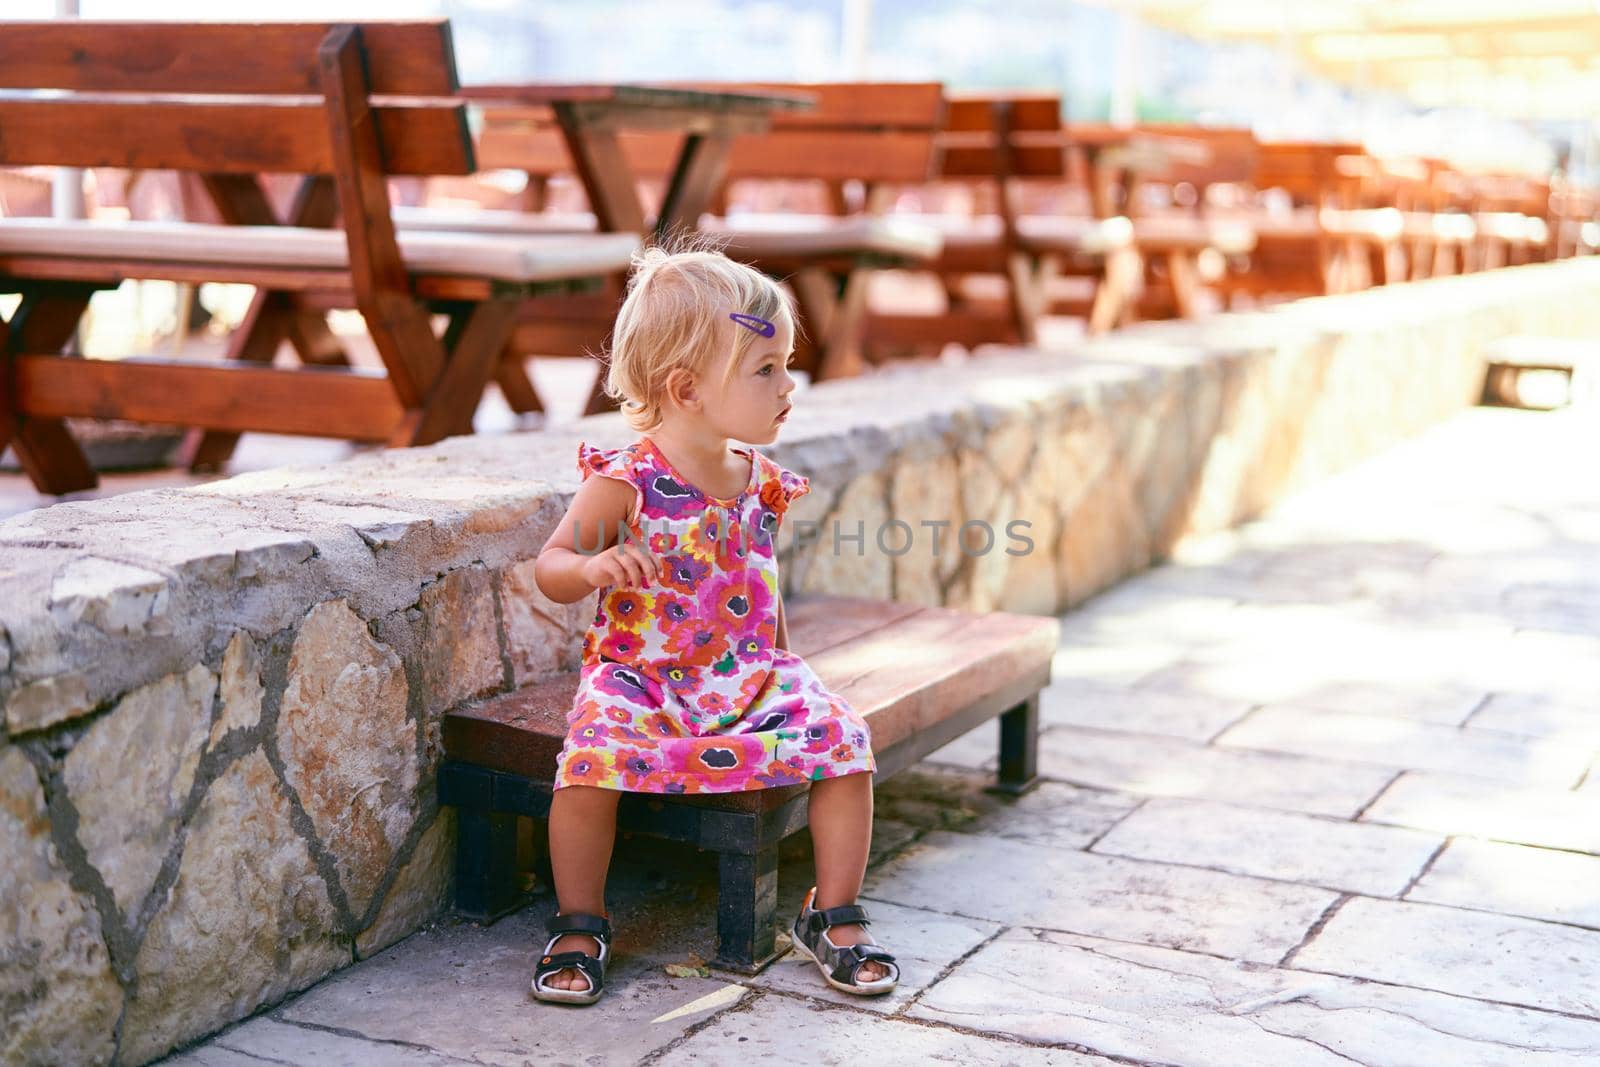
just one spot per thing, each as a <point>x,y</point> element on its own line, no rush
<point>843,915</point>
<point>580,961</point>
<point>579,922</point>
<point>851,957</point>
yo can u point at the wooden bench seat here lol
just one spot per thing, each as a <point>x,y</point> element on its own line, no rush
<point>142,249</point>
<point>781,242</point>
<point>922,676</point>
<point>744,236</point>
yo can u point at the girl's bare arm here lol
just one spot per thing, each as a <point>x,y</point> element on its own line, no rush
<point>566,575</point>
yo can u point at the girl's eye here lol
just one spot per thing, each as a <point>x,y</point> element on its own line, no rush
<point>765,371</point>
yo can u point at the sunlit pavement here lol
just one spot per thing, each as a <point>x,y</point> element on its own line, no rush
<point>1322,791</point>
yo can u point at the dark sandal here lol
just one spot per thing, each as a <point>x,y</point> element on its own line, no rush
<point>840,964</point>
<point>592,967</point>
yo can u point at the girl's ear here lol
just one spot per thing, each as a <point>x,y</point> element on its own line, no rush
<point>681,389</point>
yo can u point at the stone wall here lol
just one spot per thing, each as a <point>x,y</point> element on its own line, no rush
<point>222,704</point>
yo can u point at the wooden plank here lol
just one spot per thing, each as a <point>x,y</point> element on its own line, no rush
<point>397,325</point>
<point>852,105</point>
<point>315,401</point>
<point>403,58</point>
<point>21,270</point>
<point>46,320</point>
<point>974,112</point>
<point>607,176</point>
<point>613,96</point>
<point>870,155</point>
<point>480,340</point>
<point>817,623</point>
<point>288,135</point>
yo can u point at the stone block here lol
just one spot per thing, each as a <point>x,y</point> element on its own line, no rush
<point>349,748</point>
<point>247,921</point>
<point>59,1000</point>
<point>129,778</point>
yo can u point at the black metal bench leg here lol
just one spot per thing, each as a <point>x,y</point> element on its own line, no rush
<point>1019,749</point>
<point>747,910</point>
<point>486,863</point>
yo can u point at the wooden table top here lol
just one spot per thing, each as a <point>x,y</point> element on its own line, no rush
<point>636,96</point>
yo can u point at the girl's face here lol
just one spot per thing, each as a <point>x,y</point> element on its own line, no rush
<point>754,403</point>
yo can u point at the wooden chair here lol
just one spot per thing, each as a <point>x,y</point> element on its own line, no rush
<point>1007,148</point>
<point>346,105</point>
<point>922,676</point>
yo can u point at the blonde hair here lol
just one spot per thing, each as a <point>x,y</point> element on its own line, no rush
<point>675,315</point>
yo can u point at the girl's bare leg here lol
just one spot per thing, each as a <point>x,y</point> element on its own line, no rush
<point>583,828</point>
<point>840,812</point>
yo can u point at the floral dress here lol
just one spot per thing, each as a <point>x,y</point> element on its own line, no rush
<point>682,688</point>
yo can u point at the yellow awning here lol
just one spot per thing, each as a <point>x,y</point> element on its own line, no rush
<point>1520,58</point>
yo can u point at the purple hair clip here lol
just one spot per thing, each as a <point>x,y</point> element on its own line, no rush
<point>753,324</point>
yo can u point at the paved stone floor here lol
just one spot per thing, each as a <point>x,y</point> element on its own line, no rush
<point>1324,791</point>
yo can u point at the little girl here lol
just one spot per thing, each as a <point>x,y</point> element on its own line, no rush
<point>687,683</point>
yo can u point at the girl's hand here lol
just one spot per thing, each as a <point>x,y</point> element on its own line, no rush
<point>627,565</point>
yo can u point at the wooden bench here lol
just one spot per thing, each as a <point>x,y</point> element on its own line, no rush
<point>348,106</point>
<point>922,676</point>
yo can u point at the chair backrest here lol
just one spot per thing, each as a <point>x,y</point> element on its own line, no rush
<point>1307,170</point>
<point>1002,135</point>
<point>223,98</point>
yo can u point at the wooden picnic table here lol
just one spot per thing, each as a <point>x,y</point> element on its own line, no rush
<point>592,116</point>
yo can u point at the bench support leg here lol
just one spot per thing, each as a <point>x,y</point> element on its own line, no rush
<point>747,910</point>
<point>1019,749</point>
<point>486,863</point>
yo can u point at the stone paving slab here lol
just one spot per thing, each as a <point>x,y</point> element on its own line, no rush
<point>265,1040</point>
<point>1052,814</point>
<point>1162,766</point>
<point>1344,856</point>
<point>1106,707</point>
<point>463,991</point>
<point>1400,744</point>
<point>1180,907</point>
<point>1539,715</point>
<point>778,1030</point>
<point>1155,1005</point>
<point>1536,883</point>
<point>1468,953</point>
<point>924,944</point>
<point>1454,804</point>
<point>1444,704</point>
<point>1113,661</point>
